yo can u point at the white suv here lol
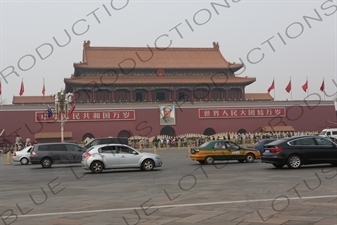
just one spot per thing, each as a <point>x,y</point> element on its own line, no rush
<point>329,132</point>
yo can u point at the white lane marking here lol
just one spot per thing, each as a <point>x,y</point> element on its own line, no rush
<point>179,205</point>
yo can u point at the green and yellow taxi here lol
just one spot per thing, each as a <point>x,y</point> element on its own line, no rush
<point>211,151</point>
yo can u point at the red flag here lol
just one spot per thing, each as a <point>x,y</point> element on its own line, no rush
<point>272,86</point>
<point>71,110</point>
<point>288,88</point>
<point>322,88</point>
<point>305,86</point>
<point>43,89</point>
<point>22,88</point>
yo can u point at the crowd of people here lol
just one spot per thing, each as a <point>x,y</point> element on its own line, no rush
<point>184,141</point>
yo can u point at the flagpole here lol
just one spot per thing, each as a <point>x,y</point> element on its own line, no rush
<point>324,90</point>
<point>291,90</point>
<point>20,91</point>
<point>274,88</point>
<point>43,89</point>
<point>308,89</point>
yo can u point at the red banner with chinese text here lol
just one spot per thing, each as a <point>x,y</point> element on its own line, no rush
<point>242,112</point>
<point>110,115</point>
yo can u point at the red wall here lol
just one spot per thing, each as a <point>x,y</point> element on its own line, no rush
<point>21,121</point>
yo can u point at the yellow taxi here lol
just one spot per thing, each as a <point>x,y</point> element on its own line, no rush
<point>211,151</point>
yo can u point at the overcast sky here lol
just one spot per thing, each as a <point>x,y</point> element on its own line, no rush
<point>274,39</point>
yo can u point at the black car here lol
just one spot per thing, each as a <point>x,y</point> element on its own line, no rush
<point>300,150</point>
<point>48,154</point>
<point>260,144</point>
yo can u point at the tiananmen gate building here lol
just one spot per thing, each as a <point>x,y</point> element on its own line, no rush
<point>124,91</point>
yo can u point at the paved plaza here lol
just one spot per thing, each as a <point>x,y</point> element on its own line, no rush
<point>181,192</point>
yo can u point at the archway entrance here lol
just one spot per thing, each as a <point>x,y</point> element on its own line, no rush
<point>242,131</point>
<point>87,135</point>
<point>168,131</point>
<point>209,131</point>
<point>124,133</point>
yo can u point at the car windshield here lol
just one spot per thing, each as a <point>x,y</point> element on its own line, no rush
<point>257,143</point>
<point>277,142</point>
<point>91,143</point>
<point>322,133</point>
<point>89,149</point>
<point>263,142</point>
<point>26,148</point>
<point>204,144</point>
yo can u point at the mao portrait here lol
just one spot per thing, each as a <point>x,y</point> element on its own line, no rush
<point>167,116</point>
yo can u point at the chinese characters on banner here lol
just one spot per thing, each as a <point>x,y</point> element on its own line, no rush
<point>242,112</point>
<point>91,116</point>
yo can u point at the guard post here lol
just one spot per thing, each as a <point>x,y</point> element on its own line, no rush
<point>140,146</point>
<point>8,158</point>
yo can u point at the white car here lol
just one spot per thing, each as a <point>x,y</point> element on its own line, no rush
<point>118,156</point>
<point>22,156</point>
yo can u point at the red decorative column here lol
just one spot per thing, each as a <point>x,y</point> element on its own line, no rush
<point>131,97</point>
<point>93,96</point>
<point>112,95</point>
<point>149,95</point>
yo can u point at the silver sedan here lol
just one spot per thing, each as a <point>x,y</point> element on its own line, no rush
<point>22,156</point>
<point>118,156</point>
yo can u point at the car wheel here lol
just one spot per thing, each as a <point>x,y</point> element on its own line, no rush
<point>147,165</point>
<point>24,161</point>
<point>278,166</point>
<point>241,160</point>
<point>294,162</point>
<point>201,161</point>
<point>46,162</point>
<point>96,167</point>
<point>209,160</point>
<point>250,158</point>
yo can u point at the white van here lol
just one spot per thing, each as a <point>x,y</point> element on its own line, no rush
<point>329,132</point>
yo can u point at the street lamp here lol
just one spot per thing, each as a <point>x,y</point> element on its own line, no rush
<point>61,105</point>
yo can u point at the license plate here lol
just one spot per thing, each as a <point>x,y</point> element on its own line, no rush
<point>266,151</point>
